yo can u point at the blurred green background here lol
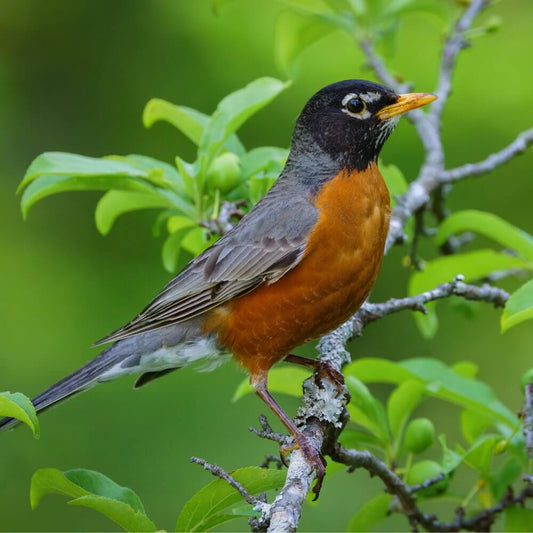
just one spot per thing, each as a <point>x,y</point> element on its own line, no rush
<point>74,76</point>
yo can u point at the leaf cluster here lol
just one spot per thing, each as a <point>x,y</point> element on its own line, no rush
<point>187,195</point>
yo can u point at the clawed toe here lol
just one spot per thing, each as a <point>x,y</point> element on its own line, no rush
<point>326,371</point>
<point>311,455</point>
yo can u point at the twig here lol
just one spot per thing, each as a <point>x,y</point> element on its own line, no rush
<point>426,132</point>
<point>380,69</point>
<point>222,223</point>
<point>405,495</point>
<point>269,459</point>
<point>454,44</point>
<point>222,474</point>
<point>518,146</point>
<point>527,413</point>
<point>428,483</point>
<point>266,432</point>
<point>370,312</point>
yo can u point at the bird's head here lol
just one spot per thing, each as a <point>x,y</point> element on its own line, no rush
<point>351,120</point>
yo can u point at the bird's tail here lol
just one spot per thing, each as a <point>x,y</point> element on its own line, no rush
<point>152,354</point>
<point>80,380</point>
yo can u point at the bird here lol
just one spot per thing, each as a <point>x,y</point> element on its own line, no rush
<point>294,268</point>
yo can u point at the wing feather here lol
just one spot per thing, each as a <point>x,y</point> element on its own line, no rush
<point>267,243</point>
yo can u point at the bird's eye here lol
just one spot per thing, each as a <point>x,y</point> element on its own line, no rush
<point>355,105</point>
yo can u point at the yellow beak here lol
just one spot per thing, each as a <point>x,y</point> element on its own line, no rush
<point>405,103</point>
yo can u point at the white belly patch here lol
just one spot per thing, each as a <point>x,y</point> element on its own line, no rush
<point>203,353</point>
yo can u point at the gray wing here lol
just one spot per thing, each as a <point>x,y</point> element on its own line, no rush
<point>266,243</point>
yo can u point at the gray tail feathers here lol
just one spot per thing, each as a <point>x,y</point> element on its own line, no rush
<point>78,381</point>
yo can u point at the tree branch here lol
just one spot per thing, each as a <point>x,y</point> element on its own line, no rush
<point>427,133</point>
<point>222,474</point>
<point>370,312</point>
<point>454,44</point>
<point>405,495</point>
<point>527,413</point>
<point>518,146</point>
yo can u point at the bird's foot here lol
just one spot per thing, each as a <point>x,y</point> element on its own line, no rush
<point>312,456</point>
<point>323,371</point>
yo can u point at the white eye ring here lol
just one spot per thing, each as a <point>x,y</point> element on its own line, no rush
<point>364,114</point>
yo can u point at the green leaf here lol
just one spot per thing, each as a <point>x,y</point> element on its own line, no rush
<point>518,519</point>
<point>45,186</point>
<point>450,458</point>
<point>195,241</point>
<point>473,424</point>
<point>233,111</point>
<point>178,222</point>
<point>504,477</point>
<point>167,174</point>
<point>187,173</point>
<point>479,455</point>
<point>189,121</point>
<point>395,180</point>
<point>172,246</point>
<point>472,265</point>
<point>116,511</point>
<point>373,369</point>
<point>466,369</point>
<point>440,381</point>
<point>52,481</point>
<point>519,307</point>
<point>64,164</point>
<point>371,513</point>
<point>294,34</point>
<point>395,8</point>
<point>259,159</point>
<point>366,410</point>
<point>360,440</point>
<point>423,471</point>
<point>94,490</point>
<point>259,185</point>
<point>16,405</point>
<point>490,226</point>
<point>286,380</point>
<point>207,508</point>
<point>401,403</point>
<point>116,203</point>
<point>99,484</point>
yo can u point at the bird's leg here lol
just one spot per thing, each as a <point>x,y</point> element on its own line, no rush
<point>321,368</point>
<point>310,453</point>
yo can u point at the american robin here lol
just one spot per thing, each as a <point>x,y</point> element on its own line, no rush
<point>300,263</point>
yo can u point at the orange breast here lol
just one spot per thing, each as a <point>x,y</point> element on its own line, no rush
<point>332,280</point>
